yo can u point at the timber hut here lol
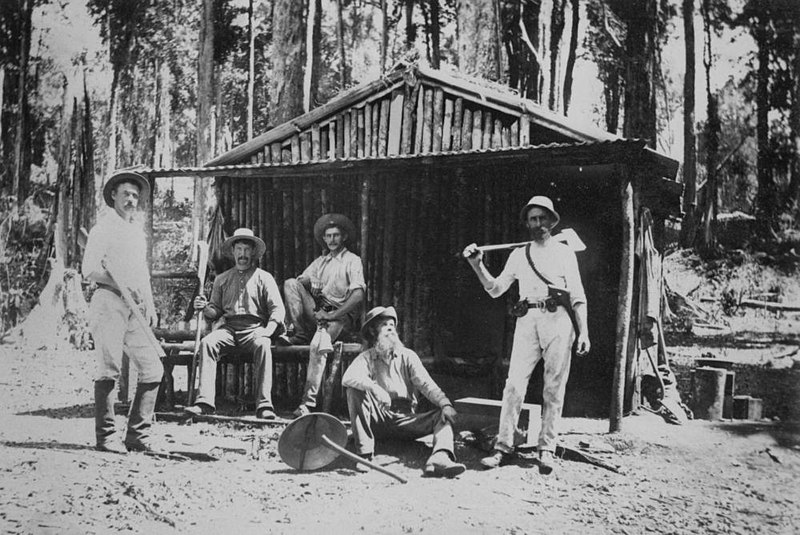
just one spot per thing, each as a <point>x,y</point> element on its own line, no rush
<point>426,162</point>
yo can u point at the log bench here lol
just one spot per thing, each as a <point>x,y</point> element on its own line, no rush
<point>235,379</point>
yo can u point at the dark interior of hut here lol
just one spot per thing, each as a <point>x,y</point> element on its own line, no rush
<point>417,221</point>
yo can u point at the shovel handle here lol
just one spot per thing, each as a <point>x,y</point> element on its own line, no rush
<point>334,446</point>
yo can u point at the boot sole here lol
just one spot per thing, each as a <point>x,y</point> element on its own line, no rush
<point>450,471</point>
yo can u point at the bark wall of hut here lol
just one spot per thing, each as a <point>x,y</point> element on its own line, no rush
<point>417,223</point>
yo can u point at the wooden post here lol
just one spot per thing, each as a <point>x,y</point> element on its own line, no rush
<point>624,303</point>
<point>447,125</point>
<point>395,122</point>
<point>438,118</point>
<point>458,115</point>
<point>329,384</point>
<point>368,130</point>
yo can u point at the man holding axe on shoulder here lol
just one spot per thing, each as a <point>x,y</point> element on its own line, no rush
<point>551,314</point>
<point>121,314</point>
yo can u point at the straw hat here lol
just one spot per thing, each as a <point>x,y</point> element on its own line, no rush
<point>334,220</point>
<point>126,176</point>
<point>374,314</point>
<point>244,234</point>
<point>542,202</point>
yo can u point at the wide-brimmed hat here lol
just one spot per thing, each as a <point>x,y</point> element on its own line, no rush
<point>542,202</point>
<point>126,176</point>
<point>334,220</point>
<point>244,234</point>
<point>378,312</point>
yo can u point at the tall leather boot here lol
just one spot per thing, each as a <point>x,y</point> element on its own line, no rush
<point>140,418</point>
<point>105,429</point>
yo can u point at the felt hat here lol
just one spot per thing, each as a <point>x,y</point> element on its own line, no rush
<point>542,202</point>
<point>334,220</point>
<point>247,235</point>
<point>375,313</point>
<point>126,176</point>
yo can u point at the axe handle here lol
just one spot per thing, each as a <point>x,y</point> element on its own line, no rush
<point>336,447</point>
<point>202,265</point>
<point>126,296</point>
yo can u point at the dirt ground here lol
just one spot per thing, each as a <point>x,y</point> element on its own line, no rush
<point>702,477</point>
<point>696,478</point>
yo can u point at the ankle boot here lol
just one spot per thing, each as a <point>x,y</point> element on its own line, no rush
<point>105,429</point>
<point>140,418</point>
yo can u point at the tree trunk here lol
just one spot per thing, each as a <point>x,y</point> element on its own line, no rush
<point>384,35</point>
<point>556,32</point>
<point>520,22</point>
<point>793,200</point>
<point>478,46</point>
<point>286,85</point>
<point>689,143</point>
<point>411,28</point>
<point>434,33</point>
<point>21,142</point>
<point>205,97</point>
<point>712,129</point>
<point>344,77</point>
<point>640,96</point>
<point>251,69</point>
<point>162,153</point>
<point>313,38</point>
<point>571,57</point>
<point>765,197</point>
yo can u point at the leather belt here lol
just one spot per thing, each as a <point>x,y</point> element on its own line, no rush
<point>541,304</point>
<point>109,288</point>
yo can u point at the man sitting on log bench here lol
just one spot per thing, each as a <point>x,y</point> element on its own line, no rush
<point>328,295</point>
<point>248,300</point>
<point>382,385</point>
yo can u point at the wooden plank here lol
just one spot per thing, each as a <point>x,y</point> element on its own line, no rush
<point>420,122</point>
<point>427,122</point>
<point>406,141</point>
<point>315,142</point>
<point>438,115</point>
<point>497,134</point>
<point>346,132</point>
<point>383,128</point>
<point>267,155</point>
<point>275,153</point>
<point>376,115</point>
<point>360,133</point>
<point>395,122</point>
<point>458,115</point>
<point>488,126</point>
<point>295,148</point>
<point>447,125</point>
<point>368,131</point>
<point>515,133</point>
<point>477,129</point>
<point>524,131</point>
<point>331,153</point>
<point>353,116</point>
<point>466,130</point>
<point>505,136</point>
<point>305,147</point>
<point>340,130</point>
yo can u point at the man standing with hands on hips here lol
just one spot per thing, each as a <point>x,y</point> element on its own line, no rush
<point>552,307</point>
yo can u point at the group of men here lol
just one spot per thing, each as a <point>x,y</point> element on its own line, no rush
<point>382,384</point>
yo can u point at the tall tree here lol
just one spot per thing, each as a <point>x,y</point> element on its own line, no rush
<point>571,53</point>
<point>689,137</point>
<point>712,135</point>
<point>286,85</point>
<point>557,22</point>
<point>478,38</point>
<point>313,55</point>
<point>251,68</point>
<point>521,35</point>
<point>21,145</point>
<point>433,31</point>
<point>205,97</point>
<point>603,38</point>
<point>793,197</point>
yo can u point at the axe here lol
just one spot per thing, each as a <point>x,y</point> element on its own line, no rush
<point>202,266</point>
<point>567,236</point>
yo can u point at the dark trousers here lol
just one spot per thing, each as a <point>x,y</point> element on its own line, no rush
<point>370,421</point>
<point>226,340</point>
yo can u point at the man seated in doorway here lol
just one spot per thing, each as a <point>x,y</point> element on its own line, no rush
<point>382,385</point>
<point>329,294</point>
<point>248,300</point>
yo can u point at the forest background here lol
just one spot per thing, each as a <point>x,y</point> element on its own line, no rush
<point>90,86</point>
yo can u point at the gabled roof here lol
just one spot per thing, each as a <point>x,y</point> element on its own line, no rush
<point>413,98</point>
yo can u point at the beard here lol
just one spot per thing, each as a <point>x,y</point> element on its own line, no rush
<point>388,343</point>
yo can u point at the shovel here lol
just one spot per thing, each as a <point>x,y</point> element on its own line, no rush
<point>316,440</point>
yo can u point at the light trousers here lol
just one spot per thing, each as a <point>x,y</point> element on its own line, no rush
<point>538,335</point>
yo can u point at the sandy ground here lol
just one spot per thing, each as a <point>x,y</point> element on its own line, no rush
<point>696,478</point>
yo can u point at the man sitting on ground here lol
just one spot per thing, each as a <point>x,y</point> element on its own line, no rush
<point>382,385</point>
<point>249,302</point>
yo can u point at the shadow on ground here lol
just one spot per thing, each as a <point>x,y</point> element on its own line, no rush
<point>786,434</point>
<point>73,411</point>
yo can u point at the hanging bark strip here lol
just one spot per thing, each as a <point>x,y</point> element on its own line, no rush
<point>383,133</point>
<point>419,122</point>
<point>360,133</point>
<point>376,115</point>
<point>368,130</point>
<point>466,130</point>
<point>447,125</point>
<point>438,118</point>
<point>458,113</point>
<point>406,141</point>
<point>427,121</point>
<point>395,122</point>
<point>477,129</point>
<point>488,124</point>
